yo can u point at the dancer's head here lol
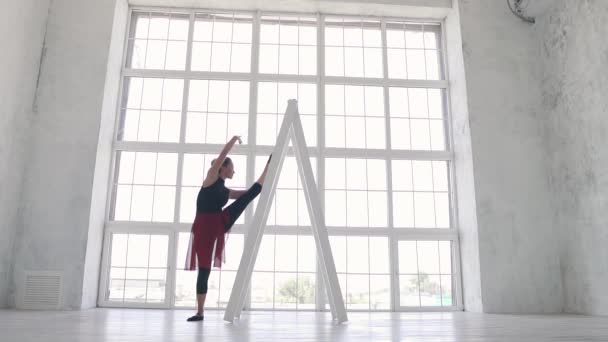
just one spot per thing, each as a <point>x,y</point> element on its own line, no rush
<point>227,168</point>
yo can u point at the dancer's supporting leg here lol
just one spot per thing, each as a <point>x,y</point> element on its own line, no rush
<point>201,292</point>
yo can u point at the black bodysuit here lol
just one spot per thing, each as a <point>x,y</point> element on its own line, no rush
<point>212,198</point>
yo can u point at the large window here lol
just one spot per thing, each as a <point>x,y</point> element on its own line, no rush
<point>373,99</point>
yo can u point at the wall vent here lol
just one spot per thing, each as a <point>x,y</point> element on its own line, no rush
<point>41,290</point>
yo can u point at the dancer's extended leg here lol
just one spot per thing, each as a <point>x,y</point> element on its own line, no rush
<point>238,206</point>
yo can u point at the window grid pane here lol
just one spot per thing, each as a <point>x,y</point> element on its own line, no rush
<point>425,275</point>
<point>151,110</point>
<point>137,275</point>
<point>222,42</point>
<point>420,194</point>
<point>217,110</point>
<point>158,41</point>
<point>145,185</point>
<point>353,48</point>
<point>417,119</point>
<point>362,264</point>
<point>356,192</point>
<point>288,45</point>
<point>413,51</point>
<point>354,116</point>
<point>284,276</point>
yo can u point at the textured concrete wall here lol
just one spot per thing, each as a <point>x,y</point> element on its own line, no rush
<point>574,54</point>
<point>21,37</point>
<point>58,187</point>
<point>518,244</point>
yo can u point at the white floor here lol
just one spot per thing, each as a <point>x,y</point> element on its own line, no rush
<point>167,325</point>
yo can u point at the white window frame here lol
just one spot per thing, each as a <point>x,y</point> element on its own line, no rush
<point>251,150</point>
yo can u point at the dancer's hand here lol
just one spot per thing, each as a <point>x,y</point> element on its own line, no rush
<point>237,138</point>
<point>269,157</point>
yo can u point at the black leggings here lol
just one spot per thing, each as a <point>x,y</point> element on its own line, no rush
<point>202,279</point>
<point>238,206</point>
<point>235,210</point>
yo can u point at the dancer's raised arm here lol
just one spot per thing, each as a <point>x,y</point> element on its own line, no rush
<point>213,172</point>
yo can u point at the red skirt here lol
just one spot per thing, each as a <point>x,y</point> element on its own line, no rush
<point>208,231</point>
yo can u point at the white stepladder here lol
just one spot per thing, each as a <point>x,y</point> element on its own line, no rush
<point>291,129</point>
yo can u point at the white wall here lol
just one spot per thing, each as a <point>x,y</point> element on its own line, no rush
<point>21,37</point>
<point>59,217</point>
<point>518,244</point>
<point>574,55</point>
<point>463,166</point>
<point>104,156</point>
